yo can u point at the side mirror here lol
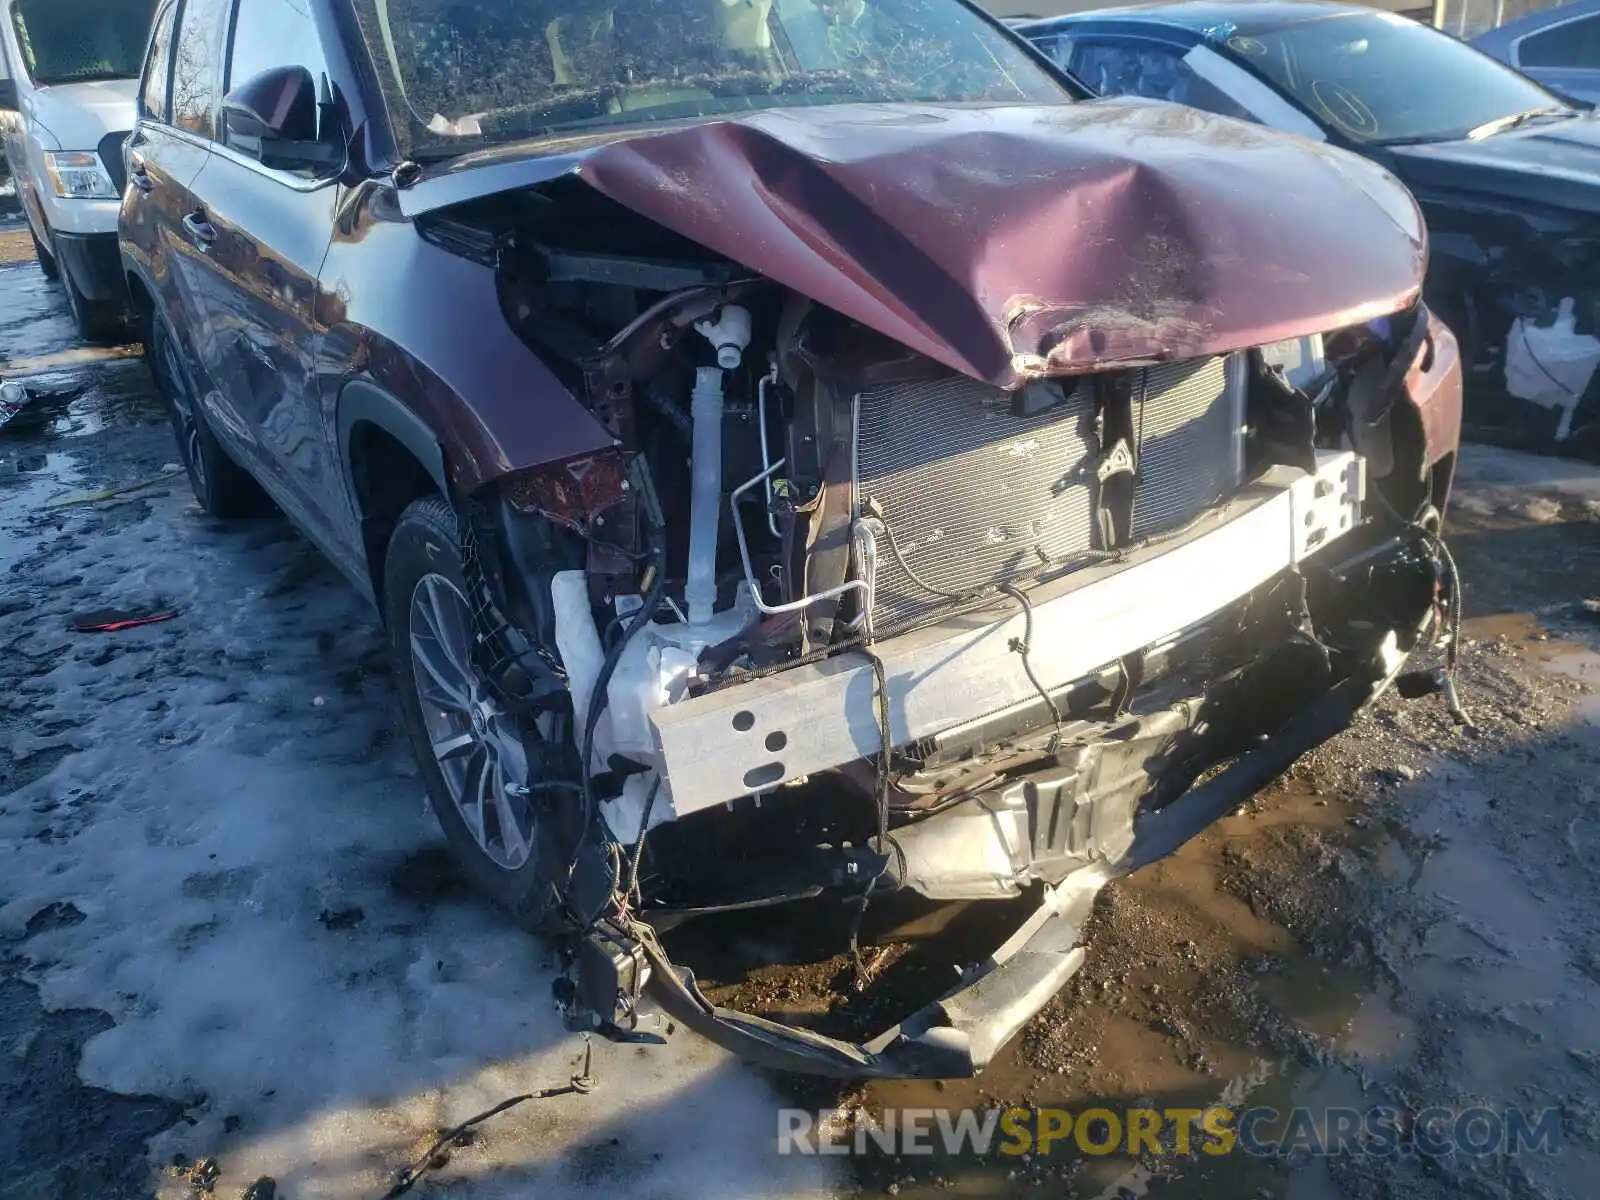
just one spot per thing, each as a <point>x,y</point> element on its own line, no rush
<point>273,117</point>
<point>8,95</point>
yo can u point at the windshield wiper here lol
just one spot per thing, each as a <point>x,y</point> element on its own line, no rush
<point>1515,120</point>
<point>1421,139</point>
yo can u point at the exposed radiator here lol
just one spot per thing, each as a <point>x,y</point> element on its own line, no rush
<point>1189,419</point>
<point>974,493</point>
<point>978,494</point>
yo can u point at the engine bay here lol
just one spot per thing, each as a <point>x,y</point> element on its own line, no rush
<point>787,483</point>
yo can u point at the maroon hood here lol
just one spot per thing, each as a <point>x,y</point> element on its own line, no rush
<point>1009,241</point>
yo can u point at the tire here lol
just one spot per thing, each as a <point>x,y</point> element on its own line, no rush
<point>422,568</point>
<point>221,487</point>
<point>98,321</point>
<point>47,261</point>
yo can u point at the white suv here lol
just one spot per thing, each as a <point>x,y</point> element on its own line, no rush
<point>64,112</point>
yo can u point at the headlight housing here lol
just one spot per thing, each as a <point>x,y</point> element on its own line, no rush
<point>78,175</point>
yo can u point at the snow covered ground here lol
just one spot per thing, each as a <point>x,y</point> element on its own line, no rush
<point>215,834</point>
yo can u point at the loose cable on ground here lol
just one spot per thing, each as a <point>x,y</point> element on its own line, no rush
<point>579,1085</point>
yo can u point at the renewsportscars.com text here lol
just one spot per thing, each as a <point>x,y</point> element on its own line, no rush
<point>1260,1131</point>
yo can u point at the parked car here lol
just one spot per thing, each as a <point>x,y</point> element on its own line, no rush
<point>796,450</point>
<point>1558,47</point>
<point>65,107</point>
<point>1508,174</point>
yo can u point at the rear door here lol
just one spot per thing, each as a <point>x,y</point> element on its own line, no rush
<point>271,230</point>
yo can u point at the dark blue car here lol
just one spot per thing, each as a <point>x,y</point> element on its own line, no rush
<point>1507,173</point>
<point>1559,47</point>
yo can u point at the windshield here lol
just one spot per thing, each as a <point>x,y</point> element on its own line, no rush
<point>1382,79</point>
<point>72,41</point>
<point>469,72</point>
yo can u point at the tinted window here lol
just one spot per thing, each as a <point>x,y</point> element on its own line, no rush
<point>72,41</point>
<point>1380,78</point>
<point>195,86</point>
<point>1575,44</point>
<point>487,72</point>
<point>1055,47</point>
<point>1134,68</point>
<point>272,33</point>
<point>1059,49</point>
<point>153,95</point>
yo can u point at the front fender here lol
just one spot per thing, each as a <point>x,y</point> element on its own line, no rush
<point>425,327</point>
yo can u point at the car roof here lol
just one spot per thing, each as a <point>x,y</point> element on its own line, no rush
<point>1501,38</point>
<point>1202,16</point>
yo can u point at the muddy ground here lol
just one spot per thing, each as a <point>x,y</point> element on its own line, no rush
<point>226,931</point>
<point>1407,919</point>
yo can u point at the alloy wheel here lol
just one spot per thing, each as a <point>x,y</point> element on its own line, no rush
<point>477,745</point>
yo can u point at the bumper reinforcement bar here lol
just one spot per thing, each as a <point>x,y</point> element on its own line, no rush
<point>957,1035</point>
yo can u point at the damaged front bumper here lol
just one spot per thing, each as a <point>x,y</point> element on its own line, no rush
<point>1099,799</point>
<point>958,1035</point>
<point>769,731</point>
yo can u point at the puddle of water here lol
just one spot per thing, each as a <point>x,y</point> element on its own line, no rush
<point>29,479</point>
<point>118,394</point>
<point>1576,662</point>
<point>1512,626</point>
<point>1323,1000</point>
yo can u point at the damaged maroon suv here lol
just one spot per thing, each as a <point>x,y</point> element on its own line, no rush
<point>799,450</point>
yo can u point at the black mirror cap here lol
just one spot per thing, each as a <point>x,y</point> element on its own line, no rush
<point>8,95</point>
<point>280,105</point>
<point>273,117</point>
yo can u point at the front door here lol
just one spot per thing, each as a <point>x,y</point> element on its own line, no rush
<point>176,158</point>
<point>270,231</point>
<point>162,165</point>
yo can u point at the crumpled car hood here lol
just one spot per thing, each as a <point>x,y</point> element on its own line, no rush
<point>1014,241</point>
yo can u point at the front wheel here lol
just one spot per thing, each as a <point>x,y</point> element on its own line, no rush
<point>98,321</point>
<point>487,772</point>
<point>47,261</point>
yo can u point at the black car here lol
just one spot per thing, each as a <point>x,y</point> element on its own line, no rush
<point>1507,173</point>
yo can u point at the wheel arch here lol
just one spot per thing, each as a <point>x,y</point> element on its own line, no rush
<point>140,298</point>
<point>363,402</point>
<point>389,457</point>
